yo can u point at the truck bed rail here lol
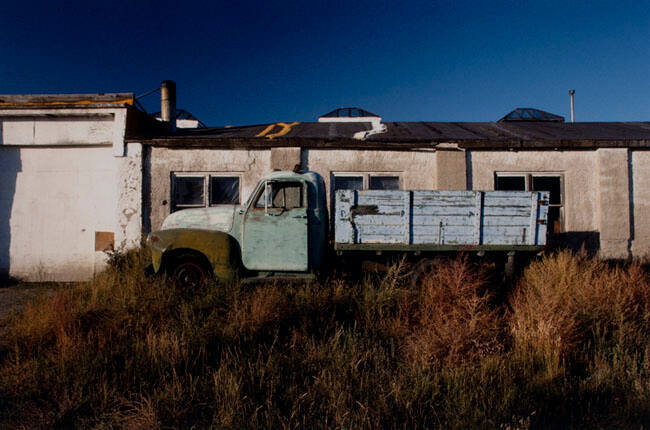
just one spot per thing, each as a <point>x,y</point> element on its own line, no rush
<point>440,220</point>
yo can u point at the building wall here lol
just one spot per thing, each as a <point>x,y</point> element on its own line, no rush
<point>614,202</point>
<point>597,197</point>
<point>71,190</point>
<point>128,189</point>
<point>578,170</point>
<point>640,208</point>
<point>162,162</point>
<point>416,168</point>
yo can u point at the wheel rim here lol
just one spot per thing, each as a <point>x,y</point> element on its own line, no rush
<point>189,275</point>
<point>423,269</point>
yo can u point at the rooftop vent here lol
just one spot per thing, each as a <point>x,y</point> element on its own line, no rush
<point>354,114</point>
<point>184,119</point>
<point>531,114</point>
<point>348,112</point>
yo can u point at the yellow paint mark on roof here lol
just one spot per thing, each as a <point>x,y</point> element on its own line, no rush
<point>284,129</point>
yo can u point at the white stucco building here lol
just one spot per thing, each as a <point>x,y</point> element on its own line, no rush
<point>71,185</point>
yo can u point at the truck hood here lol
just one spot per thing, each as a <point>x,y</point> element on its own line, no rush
<point>218,218</point>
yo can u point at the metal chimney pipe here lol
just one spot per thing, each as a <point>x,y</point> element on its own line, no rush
<point>168,104</point>
<point>571,93</point>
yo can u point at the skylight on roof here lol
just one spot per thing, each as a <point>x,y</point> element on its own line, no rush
<point>531,114</point>
<point>349,112</point>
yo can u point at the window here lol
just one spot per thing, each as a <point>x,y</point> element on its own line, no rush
<point>351,181</point>
<point>190,190</point>
<point>537,182</point>
<point>348,183</point>
<point>224,190</point>
<point>282,195</point>
<point>384,183</point>
<point>511,183</point>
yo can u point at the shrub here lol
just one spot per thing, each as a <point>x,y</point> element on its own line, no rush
<point>567,301</point>
<point>449,319</point>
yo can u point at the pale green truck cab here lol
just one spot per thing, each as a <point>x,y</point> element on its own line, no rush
<point>280,231</point>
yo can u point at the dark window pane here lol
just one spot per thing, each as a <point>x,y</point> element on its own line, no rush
<point>224,190</point>
<point>348,183</point>
<point>554,221</point>
<point>287,195</point>
<point>188,191</point>
<point>384,183</point>
<point>549,183</point>
<point>510,183</point>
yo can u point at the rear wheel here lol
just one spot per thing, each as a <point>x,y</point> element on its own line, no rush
<point>189,272</point>
<point>423,268</point>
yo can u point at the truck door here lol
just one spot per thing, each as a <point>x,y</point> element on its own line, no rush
<point>275,228</point>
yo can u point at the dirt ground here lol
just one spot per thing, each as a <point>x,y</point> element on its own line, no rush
<point>14,297</point>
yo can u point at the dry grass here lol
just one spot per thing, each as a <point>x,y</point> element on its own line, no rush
<point>449,320</point>
<point>567,300</point>
<point>569,348</point>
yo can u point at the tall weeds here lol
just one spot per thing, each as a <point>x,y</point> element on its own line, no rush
<point>449,320</point>
<point>568,348</point>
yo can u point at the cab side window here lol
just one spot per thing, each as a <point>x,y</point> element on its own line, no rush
<point>282,195</point>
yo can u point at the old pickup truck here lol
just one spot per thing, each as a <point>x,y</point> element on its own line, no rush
<point>283,230</point>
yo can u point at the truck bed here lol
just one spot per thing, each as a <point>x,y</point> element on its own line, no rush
<point>440,220</point>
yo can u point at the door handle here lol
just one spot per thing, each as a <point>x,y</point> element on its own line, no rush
<point>300,217</point>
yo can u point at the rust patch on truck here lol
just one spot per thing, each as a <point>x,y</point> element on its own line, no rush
<point>364,210</point>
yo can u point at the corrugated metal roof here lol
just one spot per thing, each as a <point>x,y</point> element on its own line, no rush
<point>468,134</point>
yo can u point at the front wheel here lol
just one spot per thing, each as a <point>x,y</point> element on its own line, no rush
<point>189,272</point>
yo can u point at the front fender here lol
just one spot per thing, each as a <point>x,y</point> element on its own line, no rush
<point>220,249</point>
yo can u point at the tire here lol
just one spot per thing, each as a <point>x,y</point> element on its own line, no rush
<point>189,272</point>
<point>422,269</point>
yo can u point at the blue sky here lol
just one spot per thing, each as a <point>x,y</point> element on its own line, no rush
<point>259,62</point>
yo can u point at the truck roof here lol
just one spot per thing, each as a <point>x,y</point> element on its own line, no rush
<point>287,174</point>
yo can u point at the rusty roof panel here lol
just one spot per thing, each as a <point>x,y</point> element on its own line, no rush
<point>64,100</point>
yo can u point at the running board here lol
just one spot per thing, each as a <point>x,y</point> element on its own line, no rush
<point>281,278</point>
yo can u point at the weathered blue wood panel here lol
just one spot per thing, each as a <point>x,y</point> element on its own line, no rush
<point>441,217</point>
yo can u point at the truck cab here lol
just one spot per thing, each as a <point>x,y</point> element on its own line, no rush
<point>280,231</point>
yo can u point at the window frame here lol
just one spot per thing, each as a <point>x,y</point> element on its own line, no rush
<point>175,206</point>
<point>207,188</point>
<point>528,183</point>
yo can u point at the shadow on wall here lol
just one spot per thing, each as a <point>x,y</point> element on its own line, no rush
<point>575,241</point>
<point>10,165</point>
